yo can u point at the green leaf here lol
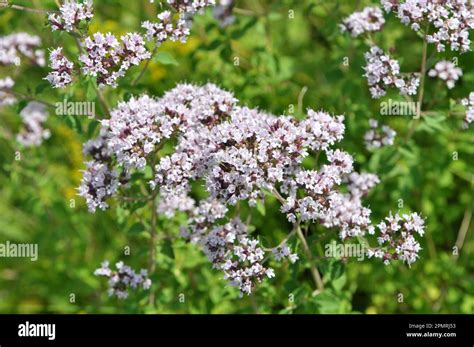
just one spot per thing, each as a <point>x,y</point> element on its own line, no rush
<point>91,93</point>
<point>213,45</point>
<point>336,270</point>
<point>74,123</point>
<point>166,58</point>
<point>327,302</point>
<point>237,34</point>
<point>136,228</point>
<point>339,283</point>
<point>434,123</point>
<point>41,87</point>
<point>167,248</point>
<point>91,128</point>
<point>409,155</point>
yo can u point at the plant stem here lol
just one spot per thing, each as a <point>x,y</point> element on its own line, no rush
<point>154,235</point>
<point>104,104</point>
<point>26,9</point>
<point>26,97</point>
<point>145,67</point>
<point>423,70</point>
<point>277,195</point>
<point>314,271</point>
<point>100,96</point>
<point>466,221</point>
<point>421,94</point>
<point>285,240</point>
<point>6,134</point>
<point>296,228</point>
<point>300,99</point>
<point>245,12</point>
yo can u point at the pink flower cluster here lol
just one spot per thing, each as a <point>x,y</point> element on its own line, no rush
<point>105,57</point>
<point>446,71</point>
<point>451,19</point>
<point>170,28</point>
<point>469,103</point>
<point>229,247</point>
<point>240,154</point>
<point>99,182</point>
<point>383,72</point>
<point>223,12</point>
<point>123,279</point>
<point>368,20</point>
<point>377,137</point>
<point>15,46</point>
<point>166,29</point>
<point>231,250</point>
<point>108,59</point>
<point>62,69</point>
<point>282,252</point>
<point>397,238</point>
<point>190,6</point>
<point>6,98</point>
<point>34,116</point>
<point>71,13</point>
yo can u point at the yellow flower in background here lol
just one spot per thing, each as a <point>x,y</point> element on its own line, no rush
<point>371,310</point>
<point>189,46</point>
<point>156,71</point>
<point>74,149</point>
<point>5,18</point>
<point>433,293</point>
<point>106,26</point>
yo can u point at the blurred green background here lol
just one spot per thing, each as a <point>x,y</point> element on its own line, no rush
<point>283,48</point>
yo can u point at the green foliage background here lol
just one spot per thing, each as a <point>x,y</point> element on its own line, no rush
<point>278,56</point>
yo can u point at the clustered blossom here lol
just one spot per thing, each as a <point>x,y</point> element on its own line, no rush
<point>230,249</point>
<point>190,6</point>
<point>346,211</point>
<point>6,99</point>
<point>100,179</point>
<point>169,28</point>
<point>166,29</point>
<point>108,59</point>
<point>17,45</point>
<point>318,186</point>
<point>469,103</point>
<point>240,154</point>
<point>377,137</point>
<point>256,152</point>
<point>397,239</point>
<point>99,182</point>
<point>71,13</point>
<point>446,71</point>
<point>452,20</point>
<point>383,72</point>
<point>223,12</point>
<point>62,69</point>
<point>359,184</point>
<point>34,116</point>
<point>282,252</point>
<point>124,278</point>
<point>368,20</point>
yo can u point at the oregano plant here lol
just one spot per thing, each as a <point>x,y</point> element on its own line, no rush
<point>207,164</point>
